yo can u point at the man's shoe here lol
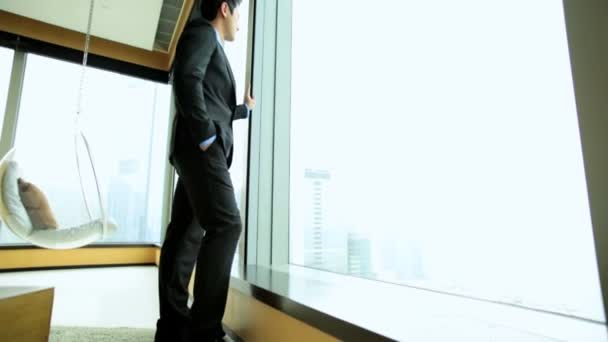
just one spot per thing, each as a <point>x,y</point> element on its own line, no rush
<point>166,332</point>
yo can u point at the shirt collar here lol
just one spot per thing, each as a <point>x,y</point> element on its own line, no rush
<point>219,38</point>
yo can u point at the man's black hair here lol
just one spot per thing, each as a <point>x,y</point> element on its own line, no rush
<point>209,8</point>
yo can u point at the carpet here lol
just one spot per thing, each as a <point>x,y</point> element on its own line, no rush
<point>84,334</point>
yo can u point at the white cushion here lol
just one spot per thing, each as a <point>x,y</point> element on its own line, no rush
<point>16,218</point>
<point>74,237</point>
<point>10,195</point>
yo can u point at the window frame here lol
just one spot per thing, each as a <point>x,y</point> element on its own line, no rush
<point>13,101</point>
<point>587,32</point>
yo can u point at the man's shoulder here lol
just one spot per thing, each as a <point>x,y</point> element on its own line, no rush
<point>196,31</point>
<point>199,24</point>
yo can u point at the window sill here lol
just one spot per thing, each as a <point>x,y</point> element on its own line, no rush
<point>351,308</point>
<point>28,258</point>
<point>22,245</point>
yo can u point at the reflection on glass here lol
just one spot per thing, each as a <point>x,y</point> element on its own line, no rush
<point>442,150</point>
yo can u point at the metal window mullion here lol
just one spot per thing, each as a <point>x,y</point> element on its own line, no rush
<point>254,136</point>
<point>587,30</point>
<point>261,140</point>
<point>11,114</point>
<point>282,132</point>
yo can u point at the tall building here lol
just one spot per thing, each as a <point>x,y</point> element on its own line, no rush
<point>400,259</point>
<point>314,248</point>
<point>127,205</point>
<point>323,245</point>
<point>359,256</point>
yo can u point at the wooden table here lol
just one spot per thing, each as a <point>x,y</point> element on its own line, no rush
<point>25,313</point>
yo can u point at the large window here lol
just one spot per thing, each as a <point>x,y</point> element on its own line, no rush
<point>6,62</point>
<point>126,121</point>
<point>436,144</point>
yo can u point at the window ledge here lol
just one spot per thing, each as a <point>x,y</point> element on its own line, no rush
<point>351,308</point>
<point>273,288</point>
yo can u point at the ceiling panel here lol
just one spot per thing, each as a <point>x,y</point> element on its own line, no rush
<point>169,16</point>
<point>131,22</point>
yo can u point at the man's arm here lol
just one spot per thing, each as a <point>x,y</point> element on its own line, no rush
<point>191,61</point>
<point>242,111</point>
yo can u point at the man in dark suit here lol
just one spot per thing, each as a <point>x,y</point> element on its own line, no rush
<point>205,221</point>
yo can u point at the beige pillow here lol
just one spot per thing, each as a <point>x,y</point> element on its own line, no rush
<point>18,218</point>
<point>36,205</point>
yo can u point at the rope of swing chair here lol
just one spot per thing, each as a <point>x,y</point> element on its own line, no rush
<point>78,132</point>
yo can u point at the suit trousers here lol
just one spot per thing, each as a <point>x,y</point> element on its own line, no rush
<point>204,230</point>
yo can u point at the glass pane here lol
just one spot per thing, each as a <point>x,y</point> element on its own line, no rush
<point>441,149</point>
<point>126,121</point>
<point>6,64</point>
<point>237,55</point>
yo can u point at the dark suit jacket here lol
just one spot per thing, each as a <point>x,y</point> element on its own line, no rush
<point>204,90</point>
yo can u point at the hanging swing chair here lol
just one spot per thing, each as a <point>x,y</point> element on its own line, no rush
<point>24,207</point>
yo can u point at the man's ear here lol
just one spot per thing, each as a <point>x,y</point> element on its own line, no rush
<point>225,9</point>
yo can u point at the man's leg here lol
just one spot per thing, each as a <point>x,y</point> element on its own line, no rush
<point>177,258</point>
<point>214,205</point>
